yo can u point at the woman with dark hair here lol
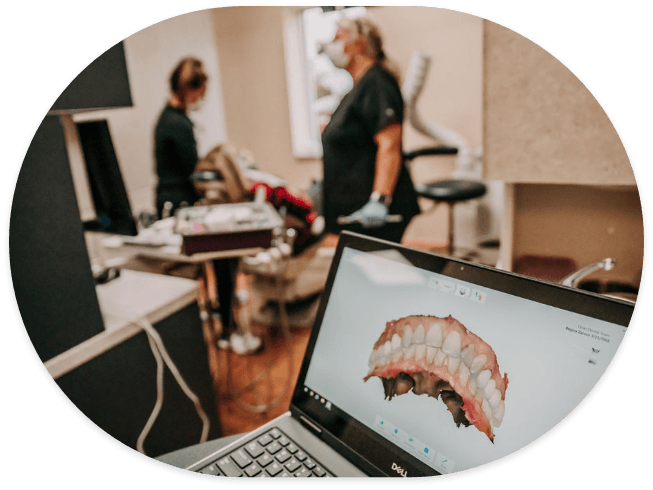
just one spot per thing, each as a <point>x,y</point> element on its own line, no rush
<point>174,138</point>
<point>176,159</point>
<point>364,174</point>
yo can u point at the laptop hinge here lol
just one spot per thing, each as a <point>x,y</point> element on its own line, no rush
<point>310,425</point>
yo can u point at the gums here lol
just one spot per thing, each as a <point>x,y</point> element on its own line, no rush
<point>439,357</point>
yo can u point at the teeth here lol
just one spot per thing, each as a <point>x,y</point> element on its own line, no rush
<point>467,354</point>
<point>440,358</point>
<point>479,362</point>
<point>463,374</point>
<point>483,377</point>
<point>489,388</point>
<point>494,399</point>
<point>497,416</point>
<point>372,362</point>
<point>472,385</point>
<point>406,336</point>
<point>434,335</point>
<point>479,396</point>
<point>398,354</point>
<point>396,342</point>
<point>418,336</point>
<point>420,352</point>
<point>387,348</point>
<point>410,352</point>
<point>430,353</point>
<point>452,344</point>
<point>486,409</point>
<point>453,363</point>
<point>375,358</point>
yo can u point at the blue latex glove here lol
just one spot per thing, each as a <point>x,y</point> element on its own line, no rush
<point>372,215</point>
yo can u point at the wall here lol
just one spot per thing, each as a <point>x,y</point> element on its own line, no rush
<point>543,128</point>
<point>583,223</point>
<point>542,124</point>
<point>151,55</point>
<point>250,43</point>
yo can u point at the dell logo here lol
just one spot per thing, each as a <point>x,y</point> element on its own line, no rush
<point>399,470</point>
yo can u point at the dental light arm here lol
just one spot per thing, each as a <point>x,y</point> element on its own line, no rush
<point>411,90</point>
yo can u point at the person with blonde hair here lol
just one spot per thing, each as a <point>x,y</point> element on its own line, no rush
<point>365,177</point>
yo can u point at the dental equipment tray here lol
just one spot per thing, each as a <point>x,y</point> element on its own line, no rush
<point>227,227</point>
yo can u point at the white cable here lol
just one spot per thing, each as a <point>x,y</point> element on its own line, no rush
<point>159,394</point>
<point>160,353</point>
<point>206,423</point>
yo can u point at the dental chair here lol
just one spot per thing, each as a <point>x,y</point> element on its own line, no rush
<point>294,269</point>
<point>450,191</point>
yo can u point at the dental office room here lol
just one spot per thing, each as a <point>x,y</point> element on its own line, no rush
<point>176,220</point>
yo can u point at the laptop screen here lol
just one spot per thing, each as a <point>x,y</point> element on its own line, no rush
<point>446,364</point>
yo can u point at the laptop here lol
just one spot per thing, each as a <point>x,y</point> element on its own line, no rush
<point>422,365</point>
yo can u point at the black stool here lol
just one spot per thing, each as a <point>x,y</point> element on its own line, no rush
<point>450,191</point>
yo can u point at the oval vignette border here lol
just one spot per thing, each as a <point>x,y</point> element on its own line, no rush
<point>80,442</point>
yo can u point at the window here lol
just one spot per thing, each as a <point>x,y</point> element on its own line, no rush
<point>315,86</point>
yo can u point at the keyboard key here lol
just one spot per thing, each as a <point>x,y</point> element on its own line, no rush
<point>285,474</point>
<point>317,471</point>
<point>264,440</point>
<point>274,469</point>
<point>303,473</point>
<point>211,470</point>
<point>283,456</point>
<point>275,433</point>
<point>283,440</point>
<point>264,460</point>
<point>293,465</point>
<point>254,449</point>
<point>309,464</point>
<point>241,458</point>
<point>291,448</point>
<point>262,474</point>
<point>300,455</point>
<point>274,448</point>
<point>252,470</point>
<point>228,467</point>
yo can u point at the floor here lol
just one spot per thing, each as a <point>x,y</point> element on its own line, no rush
<point>254,389</point>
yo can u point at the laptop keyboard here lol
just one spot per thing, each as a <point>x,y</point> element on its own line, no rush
<point>272,454</point>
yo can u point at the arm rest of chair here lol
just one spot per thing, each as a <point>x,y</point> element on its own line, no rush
<point>436,150</point>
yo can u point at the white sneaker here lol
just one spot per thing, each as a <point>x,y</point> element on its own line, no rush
<point>244,343</point>
<point>224,344</point>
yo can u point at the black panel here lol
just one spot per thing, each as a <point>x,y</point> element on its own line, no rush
<point>112,208</point>
<point>48,258</point>
<point>103,83</point>
<point>117,390</point>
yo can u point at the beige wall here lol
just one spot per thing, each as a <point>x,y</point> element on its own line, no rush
<point>251,46</point>
<point>583,223</point>
<point>541,122</point>
<point>151,54</point>
<point>543,128</point>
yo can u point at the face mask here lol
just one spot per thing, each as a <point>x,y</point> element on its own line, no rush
<point>197,105</point>
<point>335,51</point>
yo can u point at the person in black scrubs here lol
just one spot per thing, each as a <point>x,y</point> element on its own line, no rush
<point>176,156</point>
<point>174,138</point>
<point>365,177</point>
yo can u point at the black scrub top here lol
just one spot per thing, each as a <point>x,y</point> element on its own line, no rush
<point>176,158</point>
<point>349,150</point>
